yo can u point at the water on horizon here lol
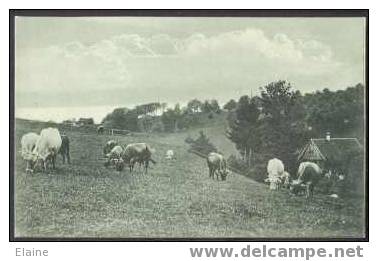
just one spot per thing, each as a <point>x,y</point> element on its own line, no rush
<point>59,114</point>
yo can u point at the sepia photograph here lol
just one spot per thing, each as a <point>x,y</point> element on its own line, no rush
<point>189,125</point>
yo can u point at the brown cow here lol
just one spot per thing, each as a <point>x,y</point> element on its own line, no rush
<point>217,164</point>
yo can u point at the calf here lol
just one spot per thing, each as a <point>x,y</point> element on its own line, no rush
<point>217,165</point>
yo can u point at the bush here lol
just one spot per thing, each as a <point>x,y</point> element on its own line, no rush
<point>202,144</point>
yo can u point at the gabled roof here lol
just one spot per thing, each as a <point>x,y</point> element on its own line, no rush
<point>333,149</point>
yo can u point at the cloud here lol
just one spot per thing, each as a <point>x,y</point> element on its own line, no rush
<point>213,65</point>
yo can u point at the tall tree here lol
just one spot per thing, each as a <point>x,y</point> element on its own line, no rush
<point>243,127</point>
<point>230,105</point>
<point>215,106</point>
<point>194,106</point>
<point>282,129</point>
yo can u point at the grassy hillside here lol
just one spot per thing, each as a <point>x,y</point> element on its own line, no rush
<point>175,199</point>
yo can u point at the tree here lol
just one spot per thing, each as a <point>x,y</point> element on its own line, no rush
<point>337,112</point>
<point>202,144</point>
<point>122,118</point>
<point>230,105</point>
<point>171,117</point>
<point>215,106</point>
<point>206,107</point>
<point>194,106</point>
<point>243,127</point>
<point>282,130</point>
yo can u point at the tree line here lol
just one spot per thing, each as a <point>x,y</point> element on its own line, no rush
<point>157,117</point>
<point>280,120</point>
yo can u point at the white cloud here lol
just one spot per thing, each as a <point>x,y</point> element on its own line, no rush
<point>129,61</point>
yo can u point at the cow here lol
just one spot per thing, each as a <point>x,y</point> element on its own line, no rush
<point>217,164</point>
<point>28,142</point>
<point>275,169</point>
<point>115,157</point>
<point>138,152</point>
<point>309,175</point>
<point>109,146</point>
<point>285,179</point>
<point>169,155</point>
<point>65,149</point>
<point>47,147</point>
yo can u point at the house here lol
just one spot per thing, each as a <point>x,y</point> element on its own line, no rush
<point>327,150</point>
<point>85,121</point>
<point>341,156</point>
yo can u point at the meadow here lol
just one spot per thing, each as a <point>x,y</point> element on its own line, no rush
<point>174,199</point>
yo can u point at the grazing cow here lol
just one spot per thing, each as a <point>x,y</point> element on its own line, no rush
<point>309,175</point>
<point>65,149</point>
<point>47,147</point>
<point>276,171</point>
<point>169,155</point>
<point>138,152</point>
<point>28,142</point>
<point>285,180</point>
<point>109,146</point>
<point>217,164</point>
<point>115,157</point>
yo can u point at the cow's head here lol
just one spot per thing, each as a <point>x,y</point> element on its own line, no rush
<point>296,186</point>
<point>275,183</point>
<point>34,160</point>
<point>224,173</point>
<point>119,164</point>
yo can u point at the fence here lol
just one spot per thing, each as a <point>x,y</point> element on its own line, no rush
<point>118,132</point>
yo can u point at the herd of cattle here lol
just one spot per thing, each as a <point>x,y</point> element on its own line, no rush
<point>42,150</point>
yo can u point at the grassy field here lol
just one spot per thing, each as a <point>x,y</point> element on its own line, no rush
<point>175,199</point>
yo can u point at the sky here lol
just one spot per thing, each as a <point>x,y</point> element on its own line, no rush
<point>124,61</point>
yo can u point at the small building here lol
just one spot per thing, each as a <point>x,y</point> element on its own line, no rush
<point>327,150</point>
<point>85,121</point>
<point>342,156</point>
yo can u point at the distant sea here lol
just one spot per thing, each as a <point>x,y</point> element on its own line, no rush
<point>59,114</point>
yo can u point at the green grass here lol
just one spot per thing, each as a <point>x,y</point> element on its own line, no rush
<point>175,199</point>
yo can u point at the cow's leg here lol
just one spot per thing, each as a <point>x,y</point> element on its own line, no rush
<point>146,163</point>
<point>53,158</point>
<point>63,157</point>
<point>131,165</point>
<point>311,190</point>
<point>308,188</point>
<point>45,164</point>
<point>68,157</point>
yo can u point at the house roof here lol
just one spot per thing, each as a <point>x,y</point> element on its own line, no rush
<point>333,149</point>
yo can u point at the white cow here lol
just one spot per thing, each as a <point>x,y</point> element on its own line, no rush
<point>276,171</point>
<point>28,142</point>
<point>47,147</point>
<point>169,155</point>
